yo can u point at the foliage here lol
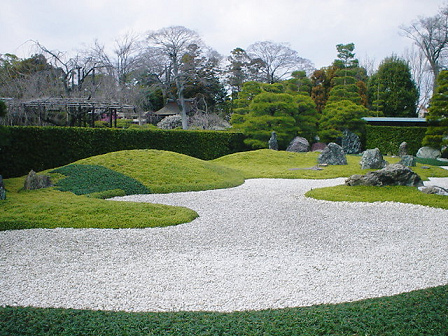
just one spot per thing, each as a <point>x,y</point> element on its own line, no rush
<point>343,193</point>
<point>49,208</point>
<point>437,133</point>
<point>421,312</point>
<point>321,85</point>
<point>392,90</point>
<point>388,138</point>
<point>87,179</point>
<point>170,122</point>
<point>338,116</point>
<point>287,115</point>
<point>36,148</point>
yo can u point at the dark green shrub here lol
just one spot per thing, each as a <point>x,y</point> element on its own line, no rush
<point>107,194</point>
<point>88,179</point>
<point>41,148</point>
<point>388,138</point>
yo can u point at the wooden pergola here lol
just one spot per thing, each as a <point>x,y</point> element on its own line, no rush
<point>75,111</point>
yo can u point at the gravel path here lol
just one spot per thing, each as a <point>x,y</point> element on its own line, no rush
<point>257,246</point>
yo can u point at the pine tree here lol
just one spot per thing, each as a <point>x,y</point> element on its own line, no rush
<point>437,132</point>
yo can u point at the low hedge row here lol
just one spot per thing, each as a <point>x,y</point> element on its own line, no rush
<point>41,148</point>
<point>388,138</point>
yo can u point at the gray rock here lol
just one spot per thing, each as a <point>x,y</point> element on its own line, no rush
<point>408,160</point>
<point>428,153</point>
<point>351,143</point>
<point>318,146</point>
<point>372,159</point>
<point>34,181</point>
<point>273,143</point>
<point>403,149</point>
<point>394,174</point>
<point>298,144</point>
<point>435,190</point>
<point>2,189</point>
<point>333,154</point>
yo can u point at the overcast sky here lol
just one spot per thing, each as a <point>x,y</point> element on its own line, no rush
<point>312,27</point>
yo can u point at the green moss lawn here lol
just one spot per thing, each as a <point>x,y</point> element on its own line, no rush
<point>77,201</point>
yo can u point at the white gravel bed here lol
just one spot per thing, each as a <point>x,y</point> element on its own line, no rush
<point>257,246</point>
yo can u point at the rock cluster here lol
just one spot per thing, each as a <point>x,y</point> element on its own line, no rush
<point>394,174</point>
<point>436,190</point>
<point>403,149</point>
<point>318,146</point>
<point>34,181</point>
<point>428,153</point>
<point>2,189</point>
<point>273,144</point>
<point>372,159</point>
<point>351,143</point>
<point>333,154</point>
<point>298,144</point>
<point>408,160</point>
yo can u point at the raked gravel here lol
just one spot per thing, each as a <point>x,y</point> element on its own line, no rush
<point>257,246</point>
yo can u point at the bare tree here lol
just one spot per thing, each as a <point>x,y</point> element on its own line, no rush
<point>422,75</point>
<point>430,35</point>
<point>277,60</point>
<point>73,70</point>
<point>173,43</point>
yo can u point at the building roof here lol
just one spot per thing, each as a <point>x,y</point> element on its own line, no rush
<point>392,119</point>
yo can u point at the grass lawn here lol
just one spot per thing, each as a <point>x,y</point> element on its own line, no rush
<point>423,312</point>
<point>165,172</point>
<point>400,194</point>
<point>265,163</point>
<point>49,208</point>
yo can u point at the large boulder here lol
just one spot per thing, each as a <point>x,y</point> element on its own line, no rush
<point>372,159</point>
<point>428,153</point>
<point>408,160</point>
<point>394,174</point>
<point>273,143</point>
<point>351,143</point>
<point>34,181</point>
<point>333,154</point>
<point>298,144</point>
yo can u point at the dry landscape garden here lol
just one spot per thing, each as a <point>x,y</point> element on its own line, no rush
<point>164,189</point>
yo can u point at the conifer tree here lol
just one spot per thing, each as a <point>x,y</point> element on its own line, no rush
<point>437,132</point>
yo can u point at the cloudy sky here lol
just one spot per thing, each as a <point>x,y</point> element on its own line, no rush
<point>312,27</point>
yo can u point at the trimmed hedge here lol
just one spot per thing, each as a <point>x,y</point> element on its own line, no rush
<point>41,148</point>
<point>388,138</point>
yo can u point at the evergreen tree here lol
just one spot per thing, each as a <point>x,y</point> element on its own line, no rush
<point>338,116</point>
<point>288,115</point>
<point>392,91</point>
<point>437,132</point>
